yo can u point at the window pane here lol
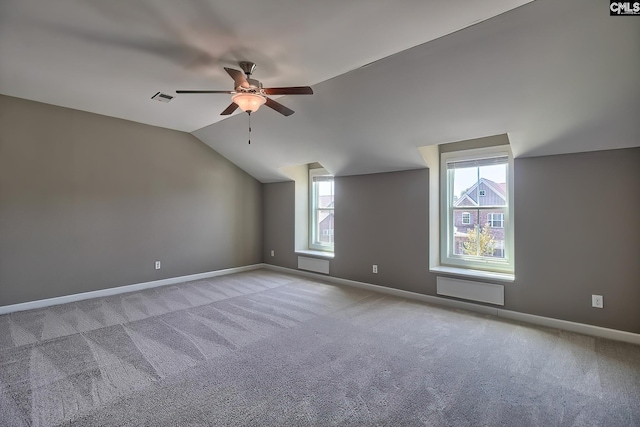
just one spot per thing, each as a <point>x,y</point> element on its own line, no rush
<point>321,222</point>
<point>324,191</point>
<point>479,183</point>
<point>483,237</point>
<point>324,226</point>
<point>465,187</point>
<point>493,227</point>
<point>321,210</point>
<point>493,182</point>
<point>495,219</point>
<point>466,218</point>
<point>464,222</point>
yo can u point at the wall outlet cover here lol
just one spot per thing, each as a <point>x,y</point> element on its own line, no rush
<point>597,301</point>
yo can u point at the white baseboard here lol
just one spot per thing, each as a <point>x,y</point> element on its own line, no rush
<point>566,325</point>
<point>581,328</point>
<point>123,289</point>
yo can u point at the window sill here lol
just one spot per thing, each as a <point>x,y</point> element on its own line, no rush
<point>316,254</point>
<point>476,274</point>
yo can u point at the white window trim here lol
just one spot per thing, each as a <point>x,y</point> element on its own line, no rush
<point>313,212</point>
<point>446,220</point>
<point>491,220</point>
<point>468,216</point>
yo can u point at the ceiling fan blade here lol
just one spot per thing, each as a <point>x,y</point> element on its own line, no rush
<point>204,91</point>
<point>279,107</point>
<point>230,109</point>
<point>296,90</point>
<point>238,77</point>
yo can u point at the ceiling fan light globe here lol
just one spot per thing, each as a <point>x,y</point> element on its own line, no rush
<point>248,102</point>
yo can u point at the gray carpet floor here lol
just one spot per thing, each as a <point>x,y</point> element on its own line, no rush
<point>262,348</point>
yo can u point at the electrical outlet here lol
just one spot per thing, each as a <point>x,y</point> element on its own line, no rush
<point>597,301</point>
<point>158,265</point>
<point>375,268</point>
<point>273,253</point>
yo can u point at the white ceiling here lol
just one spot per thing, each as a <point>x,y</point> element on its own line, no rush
<point>558,76</point>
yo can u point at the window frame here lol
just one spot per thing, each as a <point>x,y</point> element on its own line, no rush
<point>468,214</point>
<point>314,241</point>
<point>447,218</point>
<point>491,220</point>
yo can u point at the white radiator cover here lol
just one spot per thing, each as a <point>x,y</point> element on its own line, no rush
<point>473,291</point>
<point>313,264</point>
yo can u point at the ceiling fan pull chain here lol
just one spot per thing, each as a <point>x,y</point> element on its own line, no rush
<point>249,113</point>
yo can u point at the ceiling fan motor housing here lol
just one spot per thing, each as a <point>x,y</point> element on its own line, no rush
<point>254,86</point>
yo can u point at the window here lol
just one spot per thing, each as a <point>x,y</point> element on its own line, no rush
<point>321,222</point>
<point>466,218</point>
<point>476,203</point>
<point>495,220</point>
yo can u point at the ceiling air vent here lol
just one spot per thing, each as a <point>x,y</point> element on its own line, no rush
<point>162,97</point>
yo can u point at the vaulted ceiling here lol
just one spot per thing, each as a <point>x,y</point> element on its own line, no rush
<point>558,76</point>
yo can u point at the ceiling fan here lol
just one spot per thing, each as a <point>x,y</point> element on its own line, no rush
<point>249,95</point>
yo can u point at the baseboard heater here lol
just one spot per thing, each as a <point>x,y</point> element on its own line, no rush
<point>313,264</point>
<point>472,291</point>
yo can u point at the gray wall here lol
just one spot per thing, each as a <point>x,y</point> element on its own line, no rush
<point>380,219</point>
<point>383,219</point>
<point>90,202</point>
<point>577,233</point>
<point>279,224</point>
